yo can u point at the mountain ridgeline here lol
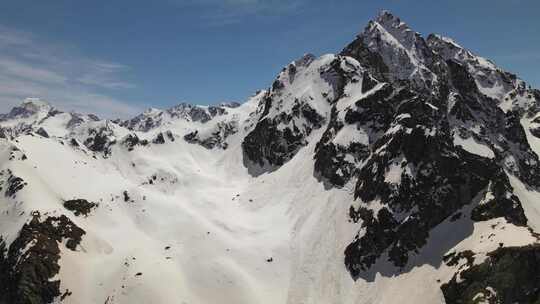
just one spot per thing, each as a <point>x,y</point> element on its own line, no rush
<point>403,158</point>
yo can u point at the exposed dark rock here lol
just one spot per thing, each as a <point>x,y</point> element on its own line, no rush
<point>527,167</point>
<point>66,294</point>
<point>80,206</point>
<point>132,140</point>
<point>93,117</point>
<point>270,146</point>
<point>143,123</point>
<point>154,118</point>
<point>314,118</point>
<point>14,185</point>
<point>74,121</point>
<point>337,77</point>
<point>286,121</point>
<point>266,145</point>
<point>440,186</point>
<point>378,107</point>
<point>159,139</point>
<point>535,129</point>
<point>126,196</point>
<point>170,135</point>
<point>509,275</point>
<point>330,159</point>
<point>4,270</point>
<point>29,108</point>
<point>436,180</point>
<point>100,140</point>
<point>13,131</point>
<point>371,60</point>
<point>368,83</point>
<point>435,177</point>
<point>16,154</point>
<point>31,261</point>
<point>42,133</point>
<point>461,78</point>
<point>198,114</point>
<point>231,104</point>
<point>453,258</point>
<point>373,114</point>
<point>504,203</point>
<point>215,111</point>
<point>217,138</point>
<point>192,137</point>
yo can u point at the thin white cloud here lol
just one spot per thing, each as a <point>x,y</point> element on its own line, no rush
<point>102,74</point>
<point>55,73</point>
<point>220,12</point>
<point>14,91</point>
<point>15,68</point>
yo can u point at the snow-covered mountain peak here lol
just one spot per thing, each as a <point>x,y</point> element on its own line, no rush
<point>305,60</point>
<point>30,107</point>
<point>510,92</point>
<point>230,104</point>
<point>403,52</point>
<point>434,38</point>
<point>397,28</point>
<point>21,118</point>
<point>152,111</point>
<point>450,49</point>
<point>154,118</point>
<point>36,115</point>
<point>36,103</point>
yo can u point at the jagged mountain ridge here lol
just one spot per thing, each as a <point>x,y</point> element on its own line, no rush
<point>402,163</point>
<point>153,118</point>
<point>34,113</point>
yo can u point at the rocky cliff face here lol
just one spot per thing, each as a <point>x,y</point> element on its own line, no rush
<point>154,118</point>
<point>422,127</point>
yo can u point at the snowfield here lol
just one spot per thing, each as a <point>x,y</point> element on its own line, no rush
<point>204,231</point>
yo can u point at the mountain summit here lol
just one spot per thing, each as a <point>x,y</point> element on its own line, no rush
<point>403,167</point>
<point>29,107</point>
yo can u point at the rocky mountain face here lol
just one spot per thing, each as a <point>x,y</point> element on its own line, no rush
<point>35,114</point>
<point>401,162</point>
<point>154,118</point>
<point>422,127</point>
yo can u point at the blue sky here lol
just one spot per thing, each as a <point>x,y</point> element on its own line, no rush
<point>119,57</point>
